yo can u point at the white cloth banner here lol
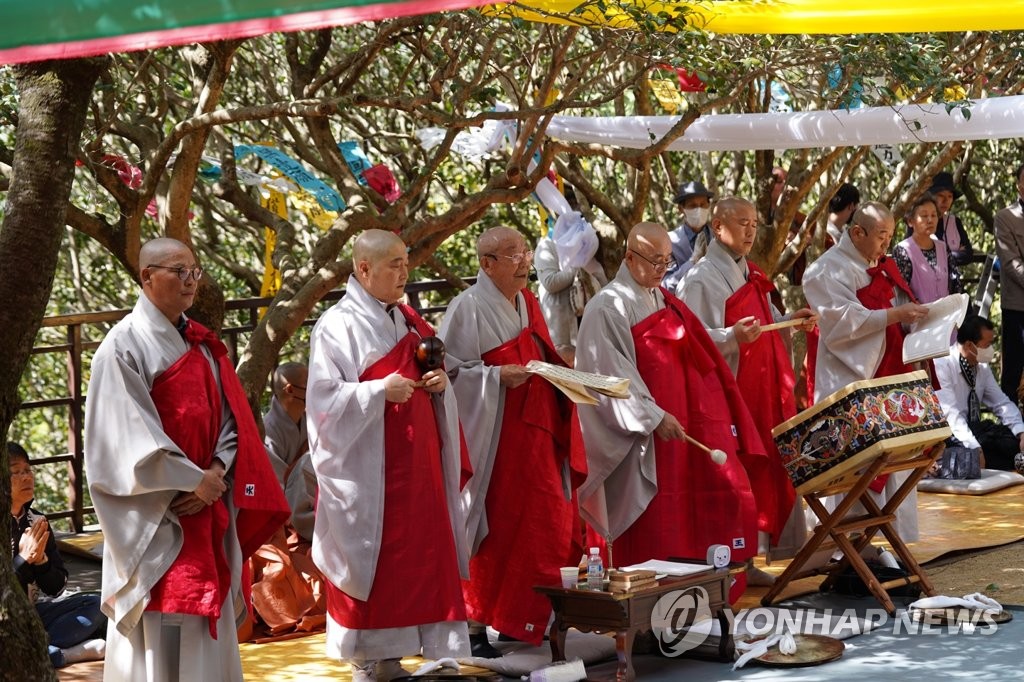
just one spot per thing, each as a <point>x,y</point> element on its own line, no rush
<point>994,118</point>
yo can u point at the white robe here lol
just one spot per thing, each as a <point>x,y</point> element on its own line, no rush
<point>285,439</point>
<point>851,346</point>
<point>618,434</point>
<point>345,418</point>
<point>852,337</point>
<point>134,471</point>
<point>478,320</point>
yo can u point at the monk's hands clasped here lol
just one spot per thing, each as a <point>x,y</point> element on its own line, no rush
<point>32,546</point>
<point>434,381</point>
<point>397,388</point>
<point>747,329</point>
<point>209,490</point>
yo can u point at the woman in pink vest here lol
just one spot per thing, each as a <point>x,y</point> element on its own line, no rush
<point>925,262</point>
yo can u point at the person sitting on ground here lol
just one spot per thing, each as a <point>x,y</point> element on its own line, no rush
<point>73,621</point>
<point>285,422</point>
<point>967,384</point>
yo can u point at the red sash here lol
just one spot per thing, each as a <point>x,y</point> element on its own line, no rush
<point>188,401</point>
<point>878,295</point>
<point>698,503</point>
<point>810,366</point>
<point>416,580</point>
<point>765,378</point>
<point>532,528</point>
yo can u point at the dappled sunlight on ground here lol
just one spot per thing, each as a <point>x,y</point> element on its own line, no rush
<point>948,524</point>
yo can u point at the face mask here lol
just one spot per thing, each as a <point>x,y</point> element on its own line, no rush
<point>697,217</point>
<point>986,355</point>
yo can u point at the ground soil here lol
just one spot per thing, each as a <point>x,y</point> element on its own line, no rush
<point>997,572</point>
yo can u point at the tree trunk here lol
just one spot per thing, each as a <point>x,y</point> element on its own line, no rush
<point>51,115</point>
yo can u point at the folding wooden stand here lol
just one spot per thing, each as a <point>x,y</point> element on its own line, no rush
<point>852,535</point>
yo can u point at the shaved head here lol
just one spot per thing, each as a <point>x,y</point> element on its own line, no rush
<point>495,238</point>
<point>729,206</point>
<point>653,235</point>
<point>871,215</point>
<point>373,245</point>
<point>734,222</point>
<point>506,259</point>
<point>289,373</point>
<point>648,254</point>
<point>872,230</point>
<point>380,262</point>
<point>161,249</point>
<point>162,262</point>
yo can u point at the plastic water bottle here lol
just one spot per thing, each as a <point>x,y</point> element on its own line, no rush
<point>595,570</point>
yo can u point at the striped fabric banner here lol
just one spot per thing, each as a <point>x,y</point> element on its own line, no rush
<point>64,29</point>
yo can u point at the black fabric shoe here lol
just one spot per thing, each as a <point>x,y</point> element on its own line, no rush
<point>502,637</point>
<point>480,647</point>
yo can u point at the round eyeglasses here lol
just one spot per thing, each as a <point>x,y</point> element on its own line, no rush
<point>182,273</point>
<point>658,267</point>
<point>516,258</point>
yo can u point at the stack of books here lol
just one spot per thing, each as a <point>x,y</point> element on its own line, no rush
<point>630,581</point>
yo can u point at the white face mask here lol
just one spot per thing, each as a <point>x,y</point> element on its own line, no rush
<point>986,355</point>
<point>697,217</point>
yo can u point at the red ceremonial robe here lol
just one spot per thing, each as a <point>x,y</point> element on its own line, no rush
<point>188,401</point>
<point>416,580</point>
<point>698,502</point>
<point>878,295</point>
<point>532,528</point>
<point>765,374</point>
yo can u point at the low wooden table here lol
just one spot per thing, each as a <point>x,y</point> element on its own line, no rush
<point>627,614</point>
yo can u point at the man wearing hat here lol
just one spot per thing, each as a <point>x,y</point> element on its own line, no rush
<point>950,229</point>
<point>694,235</point>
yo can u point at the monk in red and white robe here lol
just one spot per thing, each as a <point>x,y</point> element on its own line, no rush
<point>648,489</point>
<point>731,296</point>
<point>389,530</point>
<point>523,518</point>
<point>863,302</point>
<point>181,483</point>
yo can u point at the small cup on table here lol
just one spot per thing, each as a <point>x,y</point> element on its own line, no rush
<point>570,576</point>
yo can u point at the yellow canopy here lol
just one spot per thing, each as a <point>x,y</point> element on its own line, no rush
<point>793,16</point>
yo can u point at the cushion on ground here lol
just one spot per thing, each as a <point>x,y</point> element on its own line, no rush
<point>990,481</point>
<point>86,545</point>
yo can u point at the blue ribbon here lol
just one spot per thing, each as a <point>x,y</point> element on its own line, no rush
<point>325,196</point>
<point>355,158</point>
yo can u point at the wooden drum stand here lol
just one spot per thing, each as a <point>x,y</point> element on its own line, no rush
<point>838,447</point>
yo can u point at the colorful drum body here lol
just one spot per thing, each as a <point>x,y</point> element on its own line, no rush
<point>841,435</point>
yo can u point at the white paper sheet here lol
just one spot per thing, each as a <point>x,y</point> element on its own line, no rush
<point>668,567</point>
<point>930,337</point>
